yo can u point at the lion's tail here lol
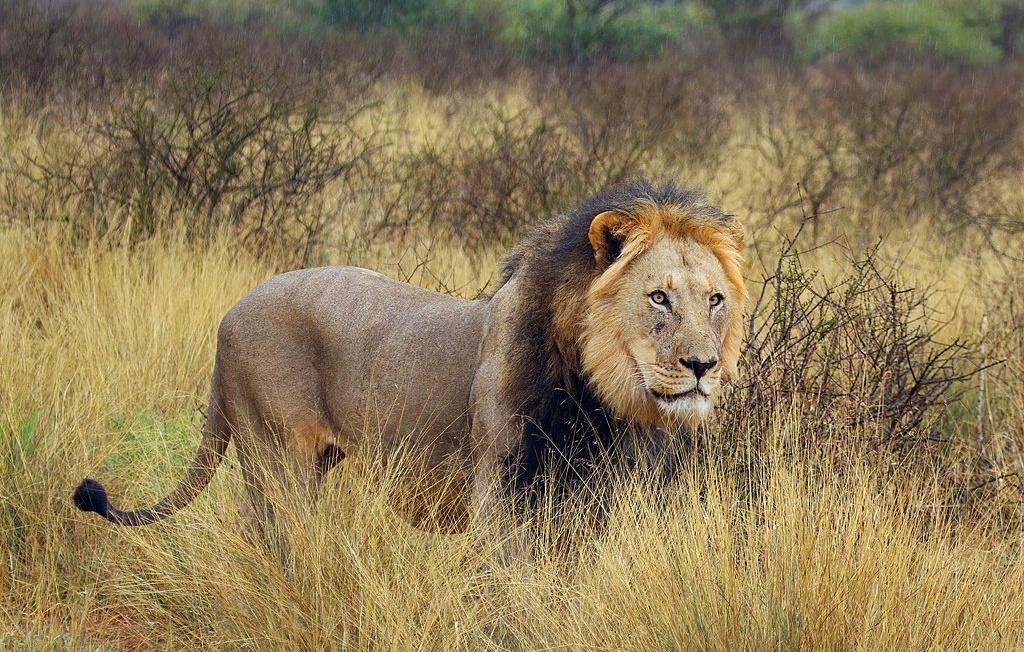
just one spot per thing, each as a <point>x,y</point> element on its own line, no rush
<point>90,496</point>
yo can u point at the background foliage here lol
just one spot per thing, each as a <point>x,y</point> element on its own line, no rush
<point>971,32</point>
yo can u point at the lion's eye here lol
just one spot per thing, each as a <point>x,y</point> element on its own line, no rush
<point>659,298</point>
<point>715,300</point>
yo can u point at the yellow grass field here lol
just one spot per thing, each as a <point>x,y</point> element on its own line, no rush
<point>105,357</point>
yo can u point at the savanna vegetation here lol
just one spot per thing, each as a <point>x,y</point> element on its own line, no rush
<point>860,487</point>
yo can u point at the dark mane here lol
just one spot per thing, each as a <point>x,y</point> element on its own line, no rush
<point>572,227</point>
<point>553,267</point>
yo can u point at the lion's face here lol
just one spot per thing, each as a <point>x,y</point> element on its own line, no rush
<point>675,306</point>
<point>658,343</point>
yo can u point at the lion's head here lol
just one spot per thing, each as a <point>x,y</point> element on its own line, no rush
<point>639,293</point>
<point>664,315</point>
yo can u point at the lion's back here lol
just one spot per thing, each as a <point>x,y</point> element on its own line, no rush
<point>357,348</point>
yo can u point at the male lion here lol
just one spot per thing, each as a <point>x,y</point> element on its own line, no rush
<point>613,327</point>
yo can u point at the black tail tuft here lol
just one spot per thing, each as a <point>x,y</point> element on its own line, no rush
<point>90,496</point>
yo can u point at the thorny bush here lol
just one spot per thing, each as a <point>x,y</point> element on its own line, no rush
<point>928,139</point>
<point>887,142</point>
<point>232,148</point>
<point>515,168</point>
<point>486,189</point>
<point>860,358</point>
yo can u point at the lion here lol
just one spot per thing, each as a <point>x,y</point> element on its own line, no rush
<point>613,327</point>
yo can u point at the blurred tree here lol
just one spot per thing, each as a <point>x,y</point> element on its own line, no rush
<point>1011,37</point>
<point>590,24</point>
<point>587,30</point>
<point>960,31</point>
<point>365,15</point>
<point>754,25</point>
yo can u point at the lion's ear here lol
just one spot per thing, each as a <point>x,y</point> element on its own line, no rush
<point>734,229</point>
<point>608,232</point>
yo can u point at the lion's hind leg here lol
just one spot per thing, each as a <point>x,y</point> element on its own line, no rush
<point>264,476</point>
<point>314,451</point>
<point>284,468</point>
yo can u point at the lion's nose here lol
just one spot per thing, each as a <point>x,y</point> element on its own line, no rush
<point>697,366</point>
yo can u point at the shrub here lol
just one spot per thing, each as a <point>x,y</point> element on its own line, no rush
<point>585,30</point>
<point>366,15</point>
<point>593,131</point>
<point>894,140</point>
<point>953,30</point>
<point>753,26</point>
<point>645,32</point>
<point>72,49</point>
<point>932,139</point>
<point>208,150</point>
<point>626,116</point>
<point>485,189</point>
<point>860,362</point>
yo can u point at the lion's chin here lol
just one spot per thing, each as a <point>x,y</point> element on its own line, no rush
<point>691,405</point>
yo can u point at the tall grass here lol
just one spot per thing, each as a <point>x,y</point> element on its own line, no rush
<point>108,356</point>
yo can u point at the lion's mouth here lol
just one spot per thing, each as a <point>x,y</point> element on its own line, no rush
<point>669,398</point>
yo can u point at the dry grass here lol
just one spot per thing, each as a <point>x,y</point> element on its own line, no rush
<point>107,355</point>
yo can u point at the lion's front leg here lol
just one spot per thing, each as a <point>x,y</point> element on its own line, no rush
<point>500,522</point>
